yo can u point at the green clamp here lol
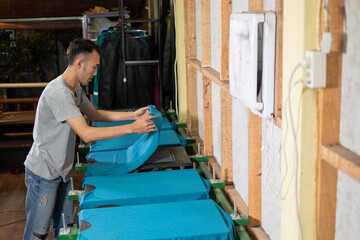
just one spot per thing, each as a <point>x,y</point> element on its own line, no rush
<point>70,235</point>
<point>199,158</point>
<point>181,125</point>
<point>185,135</point>
<point>171,113</point>
<point>240,219</point>
<point>81,167</point>
<point>84,148</point>
<point>75,194</point>
<point>217,183</point>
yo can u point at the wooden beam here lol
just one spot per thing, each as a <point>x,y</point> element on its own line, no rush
<point>190,26</point>
<point>42,25</point>
<point>226,137</point>
<point>212,74</point>
<point>23,85</point>
<point>194,63</point>
<point>329,100</point>
<point>208,138</point>
<point>225,11</point>
<point>254,232</point>
<point>234,195</point>
<point>212,163</point>
<point>279,6</point>
<point>254,165</point>
<point>192,104</point>
<point>19,100</point>
<point>205,34</point>
<point>343,159</point>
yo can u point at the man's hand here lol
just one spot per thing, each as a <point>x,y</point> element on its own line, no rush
<point>141,112</point>
<point>144,124</point>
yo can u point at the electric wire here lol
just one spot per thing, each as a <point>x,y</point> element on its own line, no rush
<point>175,70</point>
<point>295,171</point>
<point>285,135</point>
<point>270,163</point>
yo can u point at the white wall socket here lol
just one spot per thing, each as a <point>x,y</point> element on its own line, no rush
<point>316,73</point>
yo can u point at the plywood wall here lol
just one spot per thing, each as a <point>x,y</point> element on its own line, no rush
<point>348,194</point>
<point>271,179</point>
<point>246,150</point>
<point>350,89</point>
<point>240,153</point>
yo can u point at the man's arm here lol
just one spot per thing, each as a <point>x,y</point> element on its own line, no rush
<point>110,116</point>
<point>88,134</point>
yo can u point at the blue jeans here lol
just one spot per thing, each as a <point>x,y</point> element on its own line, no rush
<point>46,200</point>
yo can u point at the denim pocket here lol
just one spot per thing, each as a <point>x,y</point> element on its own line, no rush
<point>29,177</point>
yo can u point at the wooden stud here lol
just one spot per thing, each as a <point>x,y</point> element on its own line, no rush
<point>208,138</point>
<point>254,165</point>
<point>326,202</point>
<point>226,137</point>
<point>343,159</point>
<point>190,26</point>
<point>279,5</point>
<point>255,5</point>
<point>192,104</point>
<point>254,152</point>
<point>205,34</point>
<point>329,100</point>
<point>225,11</point>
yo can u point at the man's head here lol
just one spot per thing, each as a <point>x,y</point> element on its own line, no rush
<point>83,56</point>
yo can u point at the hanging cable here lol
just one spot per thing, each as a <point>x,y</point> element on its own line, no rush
<point>175,70</point>
<point>294,133</point>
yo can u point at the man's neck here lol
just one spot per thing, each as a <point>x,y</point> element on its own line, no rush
<point>70,79</point>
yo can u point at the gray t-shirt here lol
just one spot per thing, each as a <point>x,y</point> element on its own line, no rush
<point>52,153</point>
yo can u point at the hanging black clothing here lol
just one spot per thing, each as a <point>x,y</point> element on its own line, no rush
<point>139,87</point>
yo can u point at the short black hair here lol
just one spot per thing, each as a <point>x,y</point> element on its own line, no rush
<point>80,46</point>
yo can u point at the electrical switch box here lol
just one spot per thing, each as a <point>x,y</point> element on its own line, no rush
<point>251,60</point>
<point>316,72</point>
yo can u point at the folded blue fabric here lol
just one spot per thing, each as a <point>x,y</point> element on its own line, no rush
<point>145,188</point>
<point>195,220</point>
<point>168,137</point>
<point>126,159</point>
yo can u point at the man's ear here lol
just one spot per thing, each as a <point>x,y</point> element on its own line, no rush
<point>79,62</point>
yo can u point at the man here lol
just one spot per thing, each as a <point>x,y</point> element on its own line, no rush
<point>49,164</point>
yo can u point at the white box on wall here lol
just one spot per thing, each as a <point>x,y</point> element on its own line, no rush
<point>251,60</point>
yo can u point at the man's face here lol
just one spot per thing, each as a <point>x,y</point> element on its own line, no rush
<point>89,68</point>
